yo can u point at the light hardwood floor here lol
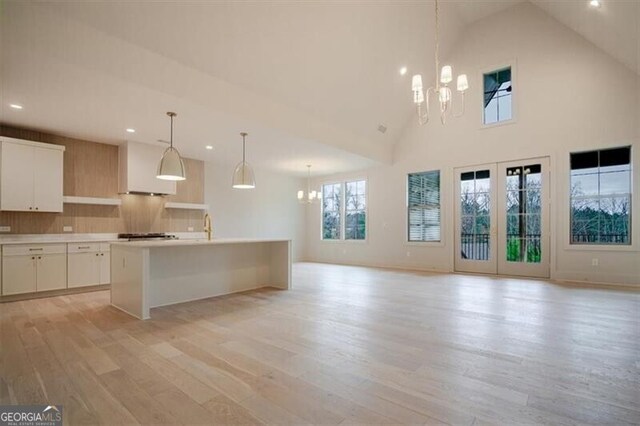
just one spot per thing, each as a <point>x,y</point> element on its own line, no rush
<point>346,345</point>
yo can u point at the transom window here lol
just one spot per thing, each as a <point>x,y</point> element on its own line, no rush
<point>352,207</point>
<point>423,206</point>
<point>498,92</point>
<point>601,196</point>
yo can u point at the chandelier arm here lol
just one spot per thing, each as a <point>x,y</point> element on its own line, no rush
<point>424,119</point>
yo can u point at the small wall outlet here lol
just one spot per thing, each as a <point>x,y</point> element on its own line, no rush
<point>190,228</point>
<point>5,229</point>
<point>594,261</point>
<point>67,229</point>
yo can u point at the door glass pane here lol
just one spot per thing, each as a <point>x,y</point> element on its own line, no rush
<point>475,209</point>
<point>523,211</point>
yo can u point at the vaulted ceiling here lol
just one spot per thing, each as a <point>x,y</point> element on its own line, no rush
<point>310,81</point>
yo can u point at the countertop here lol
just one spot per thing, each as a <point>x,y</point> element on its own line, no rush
<point>58,239</point>
<point>196,242</point>
<point>11,239</point>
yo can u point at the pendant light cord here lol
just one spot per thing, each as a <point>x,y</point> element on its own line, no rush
<point>437,52</point>
<point>171,139</point>
<point>243,149</point>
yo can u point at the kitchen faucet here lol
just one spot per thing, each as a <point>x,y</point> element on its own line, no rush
<point>207,226</point>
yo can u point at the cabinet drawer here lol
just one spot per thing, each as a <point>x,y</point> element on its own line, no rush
<point>83,247</point>
<point>33,249</point>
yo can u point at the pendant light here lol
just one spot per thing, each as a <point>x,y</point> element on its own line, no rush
<point>171,166</point>
<point>243,177</point>
<point>310,196</point>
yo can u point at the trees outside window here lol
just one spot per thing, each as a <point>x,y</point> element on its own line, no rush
<point>601,197</point>
<point>352,207</point>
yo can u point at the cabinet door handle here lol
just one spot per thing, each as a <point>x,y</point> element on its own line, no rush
<point>30,208</point>
<point>39,257</point>
<point>36,208</point>
<point>35,249</point>
<point>83,247</point>
<point>33,258</point>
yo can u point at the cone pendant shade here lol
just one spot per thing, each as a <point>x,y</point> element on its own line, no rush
<point>171,166</point>
<point>243,177</point>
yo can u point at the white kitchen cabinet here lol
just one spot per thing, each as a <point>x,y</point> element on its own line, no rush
<point>88,264</point>
<point>51,272</point>
<point>105,263</point>
<point>31,176</point>
<point>16,177</point>
<point>18,274</point>
<point>47,181</point>
<point>32,268</point>
<point>84,269</point>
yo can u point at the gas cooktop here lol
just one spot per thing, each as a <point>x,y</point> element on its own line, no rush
<point>147,236</point>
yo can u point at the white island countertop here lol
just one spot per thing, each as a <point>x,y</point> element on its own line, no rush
<point>196,242</point>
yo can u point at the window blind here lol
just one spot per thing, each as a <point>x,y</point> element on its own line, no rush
<point>423,201</point>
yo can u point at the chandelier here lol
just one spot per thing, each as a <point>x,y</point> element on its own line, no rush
<point>309,196</point>
<point>441,88</point>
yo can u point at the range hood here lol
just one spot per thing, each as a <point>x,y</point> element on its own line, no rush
<point>138,164</point>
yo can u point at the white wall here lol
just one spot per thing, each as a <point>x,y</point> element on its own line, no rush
<point>569,96</point>
<point>271,210</point>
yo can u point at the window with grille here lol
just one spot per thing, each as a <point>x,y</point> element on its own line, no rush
<point>423,206</point>
<point>601,197</point>
<point>355,210</point>
<point>331,209</point>
<point>498,95</point>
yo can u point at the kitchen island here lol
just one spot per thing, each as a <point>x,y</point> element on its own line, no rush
<point>148,274</point>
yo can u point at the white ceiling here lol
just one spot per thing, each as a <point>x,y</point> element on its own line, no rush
<point>614,27</point>
<point>309,81</point>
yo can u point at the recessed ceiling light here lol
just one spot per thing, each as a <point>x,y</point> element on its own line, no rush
<point>403,70</point>
<point>130,130</point>
<point>209,147</point>
<point>15,106</point>
<point>595,3</point>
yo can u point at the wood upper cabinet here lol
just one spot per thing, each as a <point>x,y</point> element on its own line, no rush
<point>31,176</point>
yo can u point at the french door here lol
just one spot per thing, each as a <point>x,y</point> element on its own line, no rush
<point>502,218</point>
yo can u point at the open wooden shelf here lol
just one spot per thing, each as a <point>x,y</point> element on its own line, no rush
<point>92,200</point>
<point>186,206</point>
